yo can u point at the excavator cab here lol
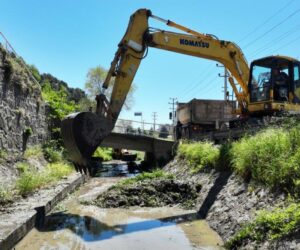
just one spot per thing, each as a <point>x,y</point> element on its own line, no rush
<point>274,85</point>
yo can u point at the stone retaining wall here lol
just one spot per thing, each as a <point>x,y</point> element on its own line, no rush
<point>22,112</point>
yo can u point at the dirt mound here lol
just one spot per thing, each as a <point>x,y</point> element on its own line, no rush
<point>154,193</point>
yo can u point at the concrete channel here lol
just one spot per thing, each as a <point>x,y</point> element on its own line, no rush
<point>75,225</point>
<point>56,219</point>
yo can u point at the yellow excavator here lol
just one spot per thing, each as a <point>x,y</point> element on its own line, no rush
<point>271,85</point>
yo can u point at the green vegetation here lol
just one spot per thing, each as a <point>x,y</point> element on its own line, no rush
<point>269,225</point>
<point>3,154</point>
<point>27,131</point>
<point>199,155</point>
<point>58,102</point>
<point>103,153</point>
<point>6,194</point>
<point>53,152</point>
<point>32,179</point>
<point>271,157</point>
<point>22,167</point>
<point>33,152</point>
<point>155,174</point>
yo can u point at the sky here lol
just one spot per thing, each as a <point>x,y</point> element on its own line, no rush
<point>68,37</point>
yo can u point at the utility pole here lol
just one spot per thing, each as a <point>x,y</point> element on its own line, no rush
<point>154,115</point>
<point>172,103</point>
<point>226,75</point>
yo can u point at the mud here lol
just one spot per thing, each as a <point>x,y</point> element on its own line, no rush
<point>151,193</point>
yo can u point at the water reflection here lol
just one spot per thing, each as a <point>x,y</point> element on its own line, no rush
<point>117,169</point>
<point>91,229</point>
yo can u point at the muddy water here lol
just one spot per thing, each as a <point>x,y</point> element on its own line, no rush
<point>77,226</point>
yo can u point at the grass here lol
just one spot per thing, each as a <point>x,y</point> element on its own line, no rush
<point>6,194</point>
<point>271,157</point>
<point>104,153</point>
<point>3,155</point>
<point>32,179</point>
<point>33,152</point>
<point>155,174</point>
<point>199,154</point>
<point>268,225</point>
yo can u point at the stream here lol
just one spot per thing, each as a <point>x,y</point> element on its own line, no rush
<point>73,225</point>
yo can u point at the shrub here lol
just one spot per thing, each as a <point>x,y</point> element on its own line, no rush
<point>199,154</point>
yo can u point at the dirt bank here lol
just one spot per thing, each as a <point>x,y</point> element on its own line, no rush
<point>227,202</point>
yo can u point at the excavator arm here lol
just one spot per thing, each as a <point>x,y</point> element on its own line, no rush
<point>139,36</point>
<point>83,132</point>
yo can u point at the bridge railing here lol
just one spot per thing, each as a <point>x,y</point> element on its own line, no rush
<point>141,131</point>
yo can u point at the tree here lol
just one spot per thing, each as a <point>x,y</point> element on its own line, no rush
<point>59,107</point>
<point>93,86</point>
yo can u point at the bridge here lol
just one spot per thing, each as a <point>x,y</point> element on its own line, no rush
<point>156,149</point>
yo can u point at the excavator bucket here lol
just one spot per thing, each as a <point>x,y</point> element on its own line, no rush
<point>82,133</point>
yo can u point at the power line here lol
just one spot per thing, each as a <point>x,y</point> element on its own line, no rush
<point>272,43</point>
<point>203,85</point>
<point>290,42</point>
<point>198,82</point>
<point>271,29</point>
<point>266,21</point>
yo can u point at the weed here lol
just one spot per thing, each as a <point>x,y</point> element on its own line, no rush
<point>3,154</point>
<point>29,181</point>
<point>32,179</point>
<point>22,167</point>
<point>6,194</point>
<point>52,151</point>
<point>199,154</point>
<point>271,157</point>
<point>33,152</point>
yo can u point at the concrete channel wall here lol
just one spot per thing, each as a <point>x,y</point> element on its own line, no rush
<point>18,219</point>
